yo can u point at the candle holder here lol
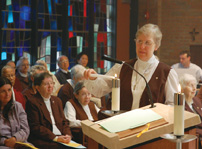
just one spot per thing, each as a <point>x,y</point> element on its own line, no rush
<point>179,139</point>
<point>178,136</point>
<point>179,102</point>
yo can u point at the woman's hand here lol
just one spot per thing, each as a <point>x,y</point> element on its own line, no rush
<point>64,139</point>
<point>88,72</point>
<point>10,142</point>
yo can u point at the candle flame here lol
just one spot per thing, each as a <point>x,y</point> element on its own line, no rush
<point>179,88</point>
<point>115,75</point>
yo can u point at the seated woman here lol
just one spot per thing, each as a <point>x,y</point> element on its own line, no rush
<point>9,73</point>
<point>45,116</point>
<point>193,104</point>
<point>80,108</point>
<point>31,90</point>
<point>13,119</point>
<point>66,92</point>
<point>82,59</point>
<point>57,84</point>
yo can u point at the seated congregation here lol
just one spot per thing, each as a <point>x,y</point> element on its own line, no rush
<point>43,111</point>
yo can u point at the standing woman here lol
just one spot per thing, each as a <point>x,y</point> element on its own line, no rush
<point>13,119</point>
<point>45,116</point>
<point>162,80</point>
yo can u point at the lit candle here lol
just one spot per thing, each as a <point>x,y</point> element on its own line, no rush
<point>115,94</point>
<point>101,76</point>
<point>179,103</point>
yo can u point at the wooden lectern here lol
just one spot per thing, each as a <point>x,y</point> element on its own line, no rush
<point>149,139</point>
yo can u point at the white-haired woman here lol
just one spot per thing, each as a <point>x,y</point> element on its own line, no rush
<point>66,92</point>
<point>193,104</point>
<point>162,79</point>
<point>22,73</point>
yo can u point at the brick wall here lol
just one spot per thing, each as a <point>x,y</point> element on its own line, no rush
<point>176,18</point>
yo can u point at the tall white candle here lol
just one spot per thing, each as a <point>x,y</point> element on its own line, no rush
<point>115,94</point>
<point>102,76</point>
<point>179,103</point>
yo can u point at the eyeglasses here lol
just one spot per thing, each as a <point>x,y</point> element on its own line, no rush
<point>48,83</point>
<point>146,43</point>
<point>25,65</point>
<point>65,61</point>
<point>10,76</point>
<point>84,95</point>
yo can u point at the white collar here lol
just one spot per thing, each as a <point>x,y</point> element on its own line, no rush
<point>190,103</point>
<point>64,70</point>
<point>150,61</point>
<point>46,99</point>
<point>143,66</point>
<point>71,82</point>
<point>22,74</point>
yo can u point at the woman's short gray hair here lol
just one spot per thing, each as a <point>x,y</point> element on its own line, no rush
<point>185,79</point>
<point>35,68</point>
<point>19,62</point>
<point>77,71</point>
<point>153,30</point>
<point>79,85</point>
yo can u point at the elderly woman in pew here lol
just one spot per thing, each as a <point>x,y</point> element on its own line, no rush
<point>47,122</point>
<point>80,108</point>
<point>31,90</point>
<point>193,104</point>
<point>66,92</point>
<point>13,119</point>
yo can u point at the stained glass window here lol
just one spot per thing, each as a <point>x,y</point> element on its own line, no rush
<point>17,29</point>
<point>79,30</point>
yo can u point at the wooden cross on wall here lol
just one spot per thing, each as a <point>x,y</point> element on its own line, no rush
<point>193,34</point>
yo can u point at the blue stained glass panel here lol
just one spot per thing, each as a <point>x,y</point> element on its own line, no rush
<point>10,14</point>
<point>45,34</point>
<point>21,43</point>
<point>59,44</point>
<point>20,52</point>
<point>105,25</point>
<point>26,49</point>
<point>25,13</point>
<point>27,43</point>
<point>3,56</point>
<point>16,19</point>
<point>70,25</point>
<point>49,7</point>
<point>11,44</point>
<point>5,19</point>
<point>40,6</point>
<point>10,50</point>
<point>16,6</point>
<point>22,24</point>
<point>12,33</point>
<point>53,25</point>
<point>69,10</point>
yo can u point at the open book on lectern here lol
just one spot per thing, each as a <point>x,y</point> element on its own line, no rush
<point>129,120</point>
